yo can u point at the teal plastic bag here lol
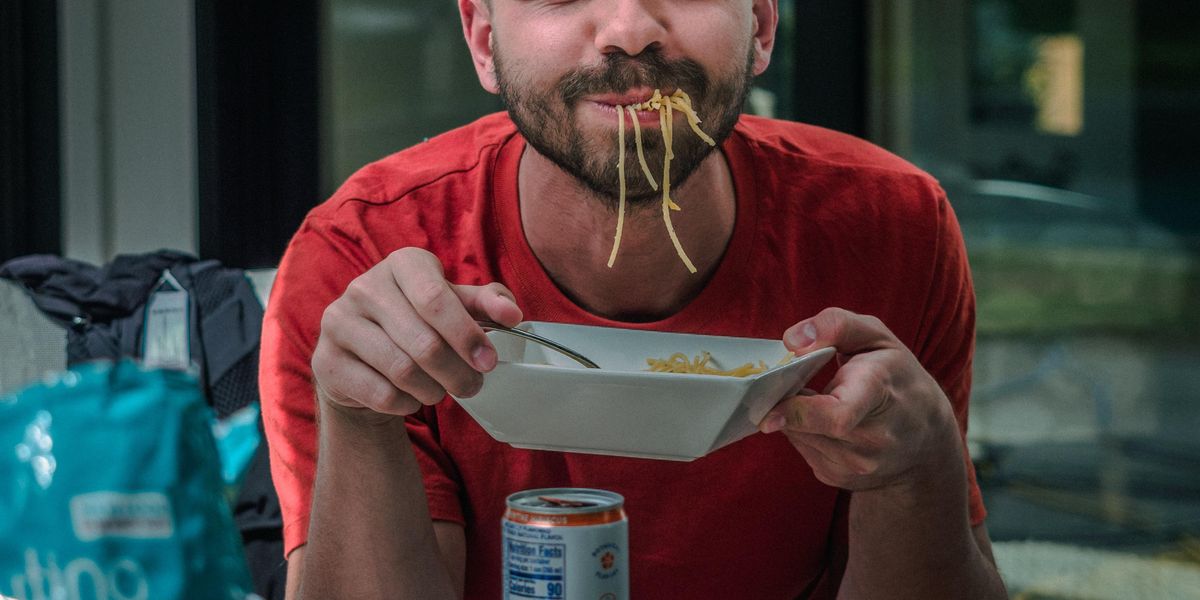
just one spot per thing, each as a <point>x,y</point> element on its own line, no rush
<point>237,438</point>
<point>111,489</point>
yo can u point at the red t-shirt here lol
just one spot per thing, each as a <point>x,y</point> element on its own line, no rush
<point>823,219</point>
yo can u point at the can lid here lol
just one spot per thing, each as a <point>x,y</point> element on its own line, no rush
<point>565,500</point>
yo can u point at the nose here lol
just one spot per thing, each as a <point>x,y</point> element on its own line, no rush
<point>632,27</point>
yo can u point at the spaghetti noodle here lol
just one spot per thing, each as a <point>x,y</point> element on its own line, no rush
<point>680,363</point>
<point>665,105</point>
<point>701,364</point>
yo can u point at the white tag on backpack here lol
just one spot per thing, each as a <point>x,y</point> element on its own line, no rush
<point>166,335</point>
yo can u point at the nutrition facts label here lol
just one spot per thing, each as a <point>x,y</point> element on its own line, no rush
<point>562,543</point>
<point>535,569</point>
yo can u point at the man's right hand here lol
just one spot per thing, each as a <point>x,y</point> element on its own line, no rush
<point>397,339</point>
<point>401,336</point>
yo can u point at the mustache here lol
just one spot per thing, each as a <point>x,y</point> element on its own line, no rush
<point>621,72</point>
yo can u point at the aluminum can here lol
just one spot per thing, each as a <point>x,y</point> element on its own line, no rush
<point>565,544</point>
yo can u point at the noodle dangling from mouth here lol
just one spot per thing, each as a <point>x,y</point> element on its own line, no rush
<point>665,105</point>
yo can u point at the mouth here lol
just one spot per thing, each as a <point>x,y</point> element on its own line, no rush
<point>608,103</point>
<point>628,97</point>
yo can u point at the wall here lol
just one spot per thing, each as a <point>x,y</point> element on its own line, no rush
<point>128,129</point>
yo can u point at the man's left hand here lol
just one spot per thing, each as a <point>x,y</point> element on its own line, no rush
<point>882,417</point>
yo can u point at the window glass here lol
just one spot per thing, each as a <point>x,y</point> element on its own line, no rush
<point>395,73</point>
<point>1063,132</point>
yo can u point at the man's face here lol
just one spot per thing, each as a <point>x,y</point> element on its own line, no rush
<point>561,80</point>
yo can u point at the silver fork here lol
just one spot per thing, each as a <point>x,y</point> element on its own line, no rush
<point>533,337</point>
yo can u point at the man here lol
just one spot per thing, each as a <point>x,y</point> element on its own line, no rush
<point>861,490</point>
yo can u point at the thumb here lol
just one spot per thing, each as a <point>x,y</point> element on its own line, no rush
<point>491,302</point>
<point>848,332</point>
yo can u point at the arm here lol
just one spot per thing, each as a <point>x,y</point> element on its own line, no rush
<point>915,540</point>
<point>395,341</point>
<point>371,535</point>
<point>451,542</point>
<point>885,430</point>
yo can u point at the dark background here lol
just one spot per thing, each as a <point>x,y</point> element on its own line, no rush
<point>258,80</point>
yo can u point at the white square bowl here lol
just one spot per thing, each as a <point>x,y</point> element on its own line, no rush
<point>539,399</point>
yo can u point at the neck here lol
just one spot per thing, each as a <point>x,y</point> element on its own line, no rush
<point>571,232</point>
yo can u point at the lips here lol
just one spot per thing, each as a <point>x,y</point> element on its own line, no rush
<point>627,98</point>
<point>607,113</point>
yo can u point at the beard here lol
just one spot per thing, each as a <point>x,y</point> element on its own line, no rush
<point>546,119</point>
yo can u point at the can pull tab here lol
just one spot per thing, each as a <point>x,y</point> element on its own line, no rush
<point>564,503</point>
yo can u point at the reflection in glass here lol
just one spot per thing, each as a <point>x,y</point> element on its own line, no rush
<point>1027,67</point>
<point>1063,132</point>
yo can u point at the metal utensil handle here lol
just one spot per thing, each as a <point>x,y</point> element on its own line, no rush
<point>533,337</point>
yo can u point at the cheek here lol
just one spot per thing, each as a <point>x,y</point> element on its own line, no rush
<point>718,39</point>
<point>539,59</point>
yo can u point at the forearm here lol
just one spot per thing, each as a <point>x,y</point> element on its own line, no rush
<point>914,540</point>
<point>370,535</point>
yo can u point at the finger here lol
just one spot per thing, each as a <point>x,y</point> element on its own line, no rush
<point>836,414</point>
<point>492,302</point>
<point>350,382</point>
<point>378,298</point>
<point>824,467</point>
<point>419,276</point>
<point>776,419</point>
<point>843,455</point>
<point>828,450</point>
<point>365,341</point>
<point>828,455</point>
<point>848,332</point>
<point>428,352</point>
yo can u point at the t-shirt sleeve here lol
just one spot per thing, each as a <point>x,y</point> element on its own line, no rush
<point>320,262</point>
<point>946,340</point>
<point>442,487</point>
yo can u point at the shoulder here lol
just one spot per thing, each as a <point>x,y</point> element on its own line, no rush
<point>832,173</point>
<point>789,141</point>
<point>465,153</point>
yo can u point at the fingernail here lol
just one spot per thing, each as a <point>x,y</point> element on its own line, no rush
<point>484,358</point>
<point>799,337</point>
<point>773,423</point>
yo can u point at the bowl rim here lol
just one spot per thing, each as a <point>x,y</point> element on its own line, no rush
<point>664,375</point>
